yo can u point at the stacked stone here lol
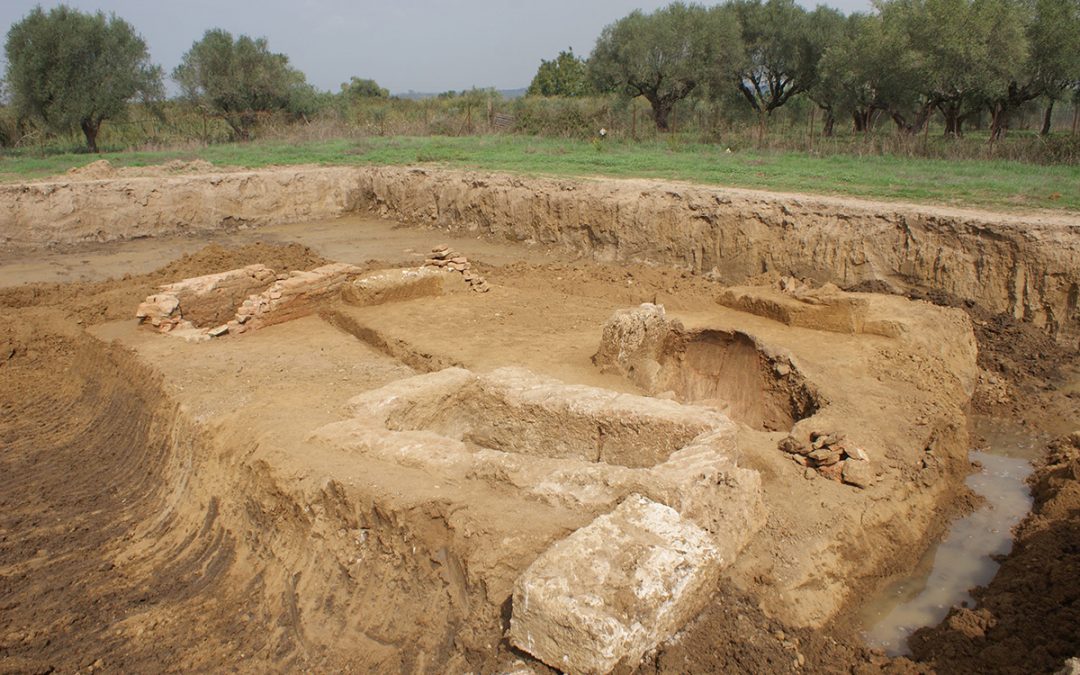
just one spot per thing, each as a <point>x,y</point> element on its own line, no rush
<point>446,258</point>
<point>292,296</point>
<point>832,456</point>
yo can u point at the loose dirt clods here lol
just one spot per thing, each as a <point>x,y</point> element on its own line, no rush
<point>590,466</point>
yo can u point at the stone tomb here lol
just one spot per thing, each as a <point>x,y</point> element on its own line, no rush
<point>672,506</point>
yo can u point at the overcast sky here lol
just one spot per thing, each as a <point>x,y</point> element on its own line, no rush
<point>420,45</point>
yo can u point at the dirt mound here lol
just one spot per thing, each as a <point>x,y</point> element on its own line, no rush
<point>215,258</point>
<point>177,166</point>
<point>1020,363</point>
<point>102,169</point>
<point>98,170</point>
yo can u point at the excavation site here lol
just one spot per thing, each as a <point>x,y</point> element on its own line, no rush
<point>405,420</point>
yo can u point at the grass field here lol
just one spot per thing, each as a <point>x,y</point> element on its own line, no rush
<point>996,185</point>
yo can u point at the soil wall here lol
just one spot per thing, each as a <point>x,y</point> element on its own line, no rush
<point>1024,265</point>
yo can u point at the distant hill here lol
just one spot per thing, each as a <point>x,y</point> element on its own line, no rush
<point>418,95</point>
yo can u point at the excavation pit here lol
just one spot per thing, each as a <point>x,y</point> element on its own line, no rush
<point>392,538</point>
<point>569,445</point>
<point>651,463</point>
<point>724,369</point>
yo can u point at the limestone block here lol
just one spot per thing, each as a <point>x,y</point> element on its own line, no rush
<point>388,405</point>
<point>614,589</point>
<point>826,308</point>
<point>542,415</point>
<point>704,482</point>
<point>632,342</point>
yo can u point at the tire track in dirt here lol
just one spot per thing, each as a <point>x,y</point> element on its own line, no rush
<point>91,561</point>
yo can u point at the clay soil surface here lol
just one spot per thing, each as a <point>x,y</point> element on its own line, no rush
<point>130,542</point>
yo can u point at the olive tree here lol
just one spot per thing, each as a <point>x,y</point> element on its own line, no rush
<point>565,75</point>
<point>779,53</point>
<point>358,88</point>
<point>967,52</point>
<point>71,70</point>
<point>239,79</point>
<point>870,69</point>
<point>1052,29</point>
<point>663,56</point>
<point>822,29</point>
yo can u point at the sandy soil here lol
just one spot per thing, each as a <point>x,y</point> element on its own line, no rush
<point>161,507</point>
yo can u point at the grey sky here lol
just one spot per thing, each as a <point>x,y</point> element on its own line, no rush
<point>423,45</point>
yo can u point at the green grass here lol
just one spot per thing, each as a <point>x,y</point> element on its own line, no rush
<point>987,184</point>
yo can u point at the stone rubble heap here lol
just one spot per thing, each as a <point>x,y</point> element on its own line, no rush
<point>445,257</point>
<point>832,456</point>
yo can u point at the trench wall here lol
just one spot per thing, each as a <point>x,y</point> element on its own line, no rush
<point>1028,266</point>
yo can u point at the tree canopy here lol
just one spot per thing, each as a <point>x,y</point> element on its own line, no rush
<point>908,59</point>
<point>565,75</point>
<point>357,88</point>
<point>780,56</point>
<point>71,70</point>
<point>239,79</point>
<point>664,56</point>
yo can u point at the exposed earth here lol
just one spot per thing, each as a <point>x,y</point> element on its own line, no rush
<point>364,471</point>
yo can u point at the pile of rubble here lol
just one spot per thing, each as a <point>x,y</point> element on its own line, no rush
<point>832,456</point>
<point>445,257</point>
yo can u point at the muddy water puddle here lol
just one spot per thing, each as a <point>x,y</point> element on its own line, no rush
<point>967,556</point>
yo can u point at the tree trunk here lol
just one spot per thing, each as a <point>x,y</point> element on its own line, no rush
<point>828,124</point>
<point>1048,113</point>
<point>953,121</point>
<point>922,119</point>
<point>863,118</point>
<point>239,126</point>
<point>873,114</point>
<point>857,122</point>
<point>1000,122</point>
<point>661,110</point>
<point>90,130</point>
